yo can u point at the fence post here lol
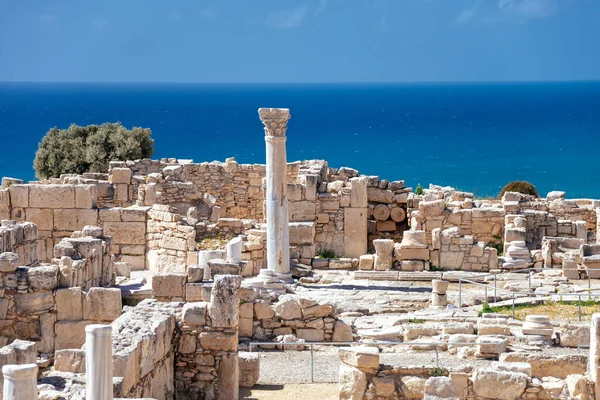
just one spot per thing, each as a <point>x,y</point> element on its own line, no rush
<point>460,293</point>
<point>485,294</point>
<point>589,281</point>
<point>513,305</point>
<point>579,307</point>
<point>529,280</point>
<point>312,377</point>
<point>437,356</point>
<point>495,288</point>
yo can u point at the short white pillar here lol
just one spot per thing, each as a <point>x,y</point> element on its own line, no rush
<point>98,362</point>
<point>278,236</point>
<point>20,382</point>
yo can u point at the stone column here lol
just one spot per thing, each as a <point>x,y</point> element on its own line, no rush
<point>594,358</point>
<point>98,362</point>
<point>20,382</point>
<point>278,237</point>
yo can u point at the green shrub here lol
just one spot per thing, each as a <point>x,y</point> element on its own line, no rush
<point>416,321</point>
<point>419,189</point>
<point>498,246</point>
<point>327,254</point>
<point>80,149</point>
<point>438,371</point>
<point>521,187</point>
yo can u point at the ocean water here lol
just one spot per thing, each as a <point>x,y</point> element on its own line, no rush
<point>475,137</point>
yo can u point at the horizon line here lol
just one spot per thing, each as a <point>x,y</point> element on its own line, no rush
<point>302,83</point>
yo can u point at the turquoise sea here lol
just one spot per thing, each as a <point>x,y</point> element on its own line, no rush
<point>475,137</point>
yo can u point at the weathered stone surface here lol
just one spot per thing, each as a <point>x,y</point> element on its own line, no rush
<point>364,358</point>
<point>52,196</point>
<point>168,285</point>
<point>288,308</point>
<point>317,311</point>
<point>70,360</point>
<point>311,335</point>
<point>412,387</point>
<point>9,262</point>
<point>438,388</point>
<point>574,335</point>
<point>34,302</point>
<point>249,364</point>
<point>123,175</point>
<point>355,232</point>
<point>71,220</point>
<point>25,351</point>
<point>218,341</point>
<point>366,261</point>
<point>69,304</point>
<point>194,314</point>
<point>501,385</point>
<point>524,368</point>
<point>262,310</point>
<point>42,217</point>
<point>43,278</point>
<point>126,232</point>
<point>352,383</point>
<point>384,387</point>
<point>342,332</point>
<point>559,366</point>
<point>102,304</point>
<point>384,257</point>
<point>224,301</point>
<point>69,334</point>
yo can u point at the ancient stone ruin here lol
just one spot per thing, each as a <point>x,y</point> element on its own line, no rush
<point>169,279</point>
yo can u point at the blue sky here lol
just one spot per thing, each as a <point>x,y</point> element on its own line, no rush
<point>299,41</point>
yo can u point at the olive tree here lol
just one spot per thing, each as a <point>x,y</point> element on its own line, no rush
<point>80,149</point>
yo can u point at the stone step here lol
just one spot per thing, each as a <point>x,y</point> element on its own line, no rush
<point>419,276</point>
<point>376,275</point>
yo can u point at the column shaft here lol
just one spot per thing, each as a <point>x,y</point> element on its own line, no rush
<point>20,382</point>
<point>98,362</point>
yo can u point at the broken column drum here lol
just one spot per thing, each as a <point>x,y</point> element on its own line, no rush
<point>278,237</point>
<point>20,382</point>
<point>98,362</point>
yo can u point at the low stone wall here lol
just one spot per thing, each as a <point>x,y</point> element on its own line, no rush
<point>453,251</point>
<point>171,244</point>
<point>20,239</point>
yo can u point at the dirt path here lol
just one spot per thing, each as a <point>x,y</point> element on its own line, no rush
<point>317,391</point>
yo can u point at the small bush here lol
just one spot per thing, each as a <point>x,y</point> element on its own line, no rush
<point>419,189</point>
<point>520,187</point>
<point>416,321</point>
<point>498,246</point>
<point>326,254</point>
<point>438,371</point>
<point>80,149</point>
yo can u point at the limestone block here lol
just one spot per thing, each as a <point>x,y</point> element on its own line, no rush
<point>123,269</point>
<point>47,321</point>
<point>363,358</point>
<point>412,265</point>
<point>450,328</point>
<point>86,196</point>
<point>365,262</point>
<point>412,387</point>
<point>401,253</point>
<point>34,302</point>
<point>302,233</point>
<point>102,304</point>
<point>522,367</point>
<point>431,208</point>
<point>70,360</point>
<point>69,304</point>
<point>386,226</point>
<point>358,192</point>
<point>9,262</point>
<point>43,278</point>
<point>224,301</point>
<point>196,292</point>
<point>355,232</point>
<point>460,381</point>
<point>577,386</point>
<point>246,327</point>
<point>413,239</point>
<point>168,285</point>
<point>287,307</point>
<point>134,214</point>
<point>340,263</point>
<point>352,383</point>
<point>311,335</point>
<point>126,232</point>
<point>384,249</point>
<point>218,341</point>
<point>249,364</point>
<point>451,259</point>
<point>376,195</point>
<point>121,175</point>
<point>194,314</point>
<point>52,196</point>
<point>263,311</point>
<point>302,210</point>
<point>42,217</point>
<point>558,366</point>
<point>574,335</point>
<point>438,388</point>
<point>25,351</point>
<point>342,332</point>
<point>384,387</point>
<point>503,385</point>
<point>195,273</point>
<point>492,329</point>
<point>19,195</point>
<point>69,334</point>
<point>317,311</point>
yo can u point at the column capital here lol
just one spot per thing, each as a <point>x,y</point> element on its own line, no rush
<point>275,120</point>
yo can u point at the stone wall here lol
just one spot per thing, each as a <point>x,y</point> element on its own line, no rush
<point>171,244</point>
<point>33,305</point>
<point>20,239</point>
<point>451,251</point>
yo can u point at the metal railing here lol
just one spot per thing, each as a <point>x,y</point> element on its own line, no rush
<point>370,344</point>
<point>529,292</point>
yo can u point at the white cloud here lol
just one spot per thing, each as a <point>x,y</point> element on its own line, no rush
<point>529,9</point>
<point>468,14</point>
<point>288,19</point>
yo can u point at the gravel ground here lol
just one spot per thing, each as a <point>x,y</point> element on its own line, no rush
<point>284,367</point>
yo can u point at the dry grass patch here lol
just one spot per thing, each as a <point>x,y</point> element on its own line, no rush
<point>556,310</point>
<point>212,243</point>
